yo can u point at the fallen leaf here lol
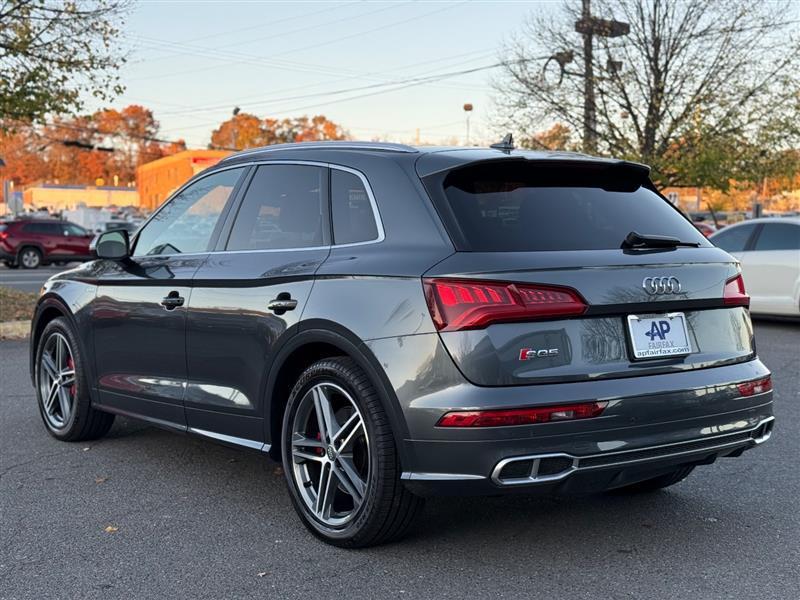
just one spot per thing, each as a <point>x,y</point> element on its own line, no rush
<point>262,574</point>
<point>87,448</point>
<point>277,471</point>
<point>111,529</point>
<point>100,479</point>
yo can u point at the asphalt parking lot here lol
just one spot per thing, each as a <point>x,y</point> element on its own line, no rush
<point>148,514</point>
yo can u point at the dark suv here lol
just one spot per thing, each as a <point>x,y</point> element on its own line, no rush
<point>34,242</point>
<point>392,322</point>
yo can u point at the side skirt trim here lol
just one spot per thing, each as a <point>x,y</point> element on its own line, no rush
<point>231,439</point>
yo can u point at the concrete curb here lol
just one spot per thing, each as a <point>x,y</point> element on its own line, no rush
<point>15,330</point>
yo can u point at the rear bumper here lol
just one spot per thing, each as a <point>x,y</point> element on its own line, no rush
<point>652,423</point>
<point>490,468</point>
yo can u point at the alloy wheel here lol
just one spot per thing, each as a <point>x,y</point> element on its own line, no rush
<point>57,383</point>
<point>30,259</point>
<point>330,454</point>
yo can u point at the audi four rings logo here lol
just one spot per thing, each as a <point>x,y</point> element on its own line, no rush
<point>661,285</point>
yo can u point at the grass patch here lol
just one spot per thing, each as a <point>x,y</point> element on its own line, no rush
<point>16,305</point>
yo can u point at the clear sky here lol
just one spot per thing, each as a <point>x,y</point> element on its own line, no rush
<point>193,62</point>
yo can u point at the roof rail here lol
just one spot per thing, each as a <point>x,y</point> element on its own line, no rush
<point>327,145</point>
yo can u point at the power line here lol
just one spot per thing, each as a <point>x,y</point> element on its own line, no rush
<point>394,86</point>
<point>262,100</point>
<point>292,50</point>
<point>270,37</point>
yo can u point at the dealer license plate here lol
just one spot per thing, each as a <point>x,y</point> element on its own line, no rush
<point>657,336</point>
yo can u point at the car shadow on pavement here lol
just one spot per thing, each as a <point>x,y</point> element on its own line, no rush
<point>252,483</point>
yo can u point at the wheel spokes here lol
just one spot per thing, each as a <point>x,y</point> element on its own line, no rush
<point>59,353</point>
<point>51,397</point>
<point>349,432</point>
<point>301,443</point>
<point>329,463</point>
<point>350,479</point>
<point>57,380</point>
<point>67,377</point>
<point>49,366</point>
<point>325,419</point>
<point>64,402</point>
<point>325,491</point>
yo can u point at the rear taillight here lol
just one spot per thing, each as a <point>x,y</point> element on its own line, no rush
<point>521,416</point>
<point>457,304</point>
<point>759,386</point>
<point>734,294</point>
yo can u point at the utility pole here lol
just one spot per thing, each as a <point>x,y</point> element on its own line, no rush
<point>589,26</point>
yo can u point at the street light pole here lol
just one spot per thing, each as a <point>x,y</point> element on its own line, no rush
<point>468,111</point>
<point>234,133</point>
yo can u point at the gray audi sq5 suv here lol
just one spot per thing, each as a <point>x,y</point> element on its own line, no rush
<point>393,322</point>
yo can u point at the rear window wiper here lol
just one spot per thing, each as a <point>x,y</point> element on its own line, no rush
<point>643,240</point>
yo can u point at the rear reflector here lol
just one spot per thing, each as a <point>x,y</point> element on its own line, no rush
<point>759,386</point>
<point>521,416</point>
<point>734,294</point>
<point>457,304</point>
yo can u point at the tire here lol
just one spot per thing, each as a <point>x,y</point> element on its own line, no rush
<point>367,504</point>
<point>29,258</point>
<point>67,412</point>
<point>657,483</point>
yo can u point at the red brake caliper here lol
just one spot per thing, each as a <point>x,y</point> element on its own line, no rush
<point>319,451</point>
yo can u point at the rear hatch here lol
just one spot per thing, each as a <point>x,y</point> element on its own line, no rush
<point>544,287</point>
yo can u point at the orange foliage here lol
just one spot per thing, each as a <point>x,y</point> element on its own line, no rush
<point>107,144</point>
<point>248,131</point>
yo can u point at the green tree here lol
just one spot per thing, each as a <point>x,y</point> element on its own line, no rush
<point>53,53</point>
<point>707,90</point>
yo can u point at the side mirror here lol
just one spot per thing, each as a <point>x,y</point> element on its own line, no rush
<point>113,245</point>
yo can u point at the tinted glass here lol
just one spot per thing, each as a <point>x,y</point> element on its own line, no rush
<point>779,236</point>
<point>281,209</point>
<point>43,228</point>
<point>353,219</point>
<point>518,207</point>
<point>73,229</point>
<point>187,222</point>
<point>734,239</point>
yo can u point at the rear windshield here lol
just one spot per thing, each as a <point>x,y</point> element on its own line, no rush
<point>523,207</point>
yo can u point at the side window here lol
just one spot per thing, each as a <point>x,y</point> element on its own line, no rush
<point>72,229</point>
<point>187,222</point>
<point>353,219</point>
<point>37,228</point>
<point>779,236</point>
<point>733,239</point>
<point>282,209</point>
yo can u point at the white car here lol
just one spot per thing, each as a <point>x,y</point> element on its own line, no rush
<point>769,250</point>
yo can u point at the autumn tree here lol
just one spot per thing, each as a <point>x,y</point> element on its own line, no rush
<point>109,144</point>
<point>245,130</point>
<point>558,137</point>
<point>707,90</point>
<point>54,53</point>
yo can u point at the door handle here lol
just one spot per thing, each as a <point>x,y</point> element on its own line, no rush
<point>282,303</point>
<point>172,300</point>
